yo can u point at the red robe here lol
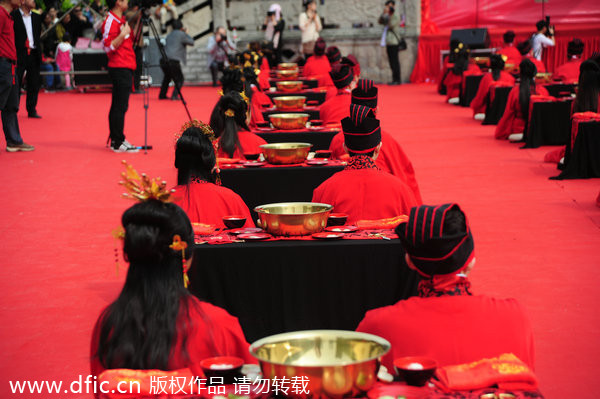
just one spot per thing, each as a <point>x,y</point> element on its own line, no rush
<point>442,76</point>
<point>263,76</point>
<point>250,143</point>
<point>391,159</point>
<point>512,120</point>
<point>336,108</point>
<point>513,56</point>
<point>210,331</point>
<point>452,329</point>
<point>569,71</point>
<point>539,65</point>
<point>365,193</point>
<point>453,82</point>
<point>479,103</point>
<point>598,200</point>
<point>208,203</point>
<point>317,66</point>
<point>256,105</point>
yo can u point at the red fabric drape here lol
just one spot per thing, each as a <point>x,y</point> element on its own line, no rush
<point>427,66</point>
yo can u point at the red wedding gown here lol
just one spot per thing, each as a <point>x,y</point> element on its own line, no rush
<point>513,120</point>
<point>568,72</point>
<point>479,103</point>
<point>250,143</point>
<point>453,82</point>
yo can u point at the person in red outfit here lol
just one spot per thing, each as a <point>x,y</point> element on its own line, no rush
<point>335,109</point>
<point>258,99</point>
<point>229,121</point>
<point>496,77</point>
<point>455,78</point>
<point>392,158</point>
<point>512,124</point>
<point>525,49</point>
<point>198,191</point>
<point>361,190</point>
<point>513,56</point>
<point>317,65</point>
<point>155,323</point>
<point>447,66</point>
<point>446,322</point>
<point>569,71</point>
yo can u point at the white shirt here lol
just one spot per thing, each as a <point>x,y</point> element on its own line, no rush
<point>28,28</point>
<point>310,30</point>
<point>538,43</point>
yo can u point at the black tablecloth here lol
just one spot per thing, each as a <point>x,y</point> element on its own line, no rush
<point>471,86</point>
<point>308,83</point>
<point>313,113</point>
<point>259,186</point>
<point>584,160</point>
<point>550,124</point>
<point>559,89</point>
<point>310,95</point>
<point>495,110</point>
<point>319,140</point>
<point>280,286</point>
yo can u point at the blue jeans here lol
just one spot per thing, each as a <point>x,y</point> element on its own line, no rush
<point>9,102</point>
<point>50,79</point>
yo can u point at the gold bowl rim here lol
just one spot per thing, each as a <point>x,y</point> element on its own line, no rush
<point>289,82</point>
<point>272,339</point>
<point>289,116</point>
<point>259,209</point>
<point>289,98</point>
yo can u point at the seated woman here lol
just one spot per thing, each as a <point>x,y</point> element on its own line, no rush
<point>496,76</point>
<point>569,71</point>
<point>455,78</point>
<point>155,323</point>
<point>229,121</point>
<point>317,66</point>
<point>197,190</point>
<point>448,65</point>
<point>513,122</point>
<point>525,48</point>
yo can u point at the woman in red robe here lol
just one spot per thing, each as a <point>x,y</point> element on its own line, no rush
<point>446,322</point>
<point>258,99</point>
<point>333,110</point>
<point>525,49</point>
<point>317,65</point>
<point>155,323</point>
<point>517,107</point>
<point>569,71</point>
<point>197,190</point>
<point>455,78</point>
<point>513,56</point>
<point>229,121</point>
<point>497,76</point>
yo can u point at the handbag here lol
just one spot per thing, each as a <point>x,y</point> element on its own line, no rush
<point>401,42</point>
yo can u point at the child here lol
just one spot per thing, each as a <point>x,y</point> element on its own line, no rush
<point>64,57</point>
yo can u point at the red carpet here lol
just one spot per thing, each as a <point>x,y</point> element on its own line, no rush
<point>536,239</point>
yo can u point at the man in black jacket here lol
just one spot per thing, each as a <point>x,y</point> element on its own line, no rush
<point>28,27</point>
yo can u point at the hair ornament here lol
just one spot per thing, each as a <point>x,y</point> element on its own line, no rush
<point>142,188</point>
<point>229,113</point>
<point>206,129</point>
<point>245,97</point>
<point>179,245</point>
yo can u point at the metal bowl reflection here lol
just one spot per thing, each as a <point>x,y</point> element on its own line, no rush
<point>287,74</point>
<point>289,86</point>
<point>285,153</point>
<point>287,66</point>
<point>289,121</point>
<point>293,218</point>
<point>289,102</point>
<point>336,363</point>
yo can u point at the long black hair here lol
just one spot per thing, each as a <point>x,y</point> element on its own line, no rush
<point>139,329</point>
<point>194,157</point>
<point>461,62</point>
<point>527,85</point>
<point>588,88</point>
<point>496,65</point>
<point>227,118</point>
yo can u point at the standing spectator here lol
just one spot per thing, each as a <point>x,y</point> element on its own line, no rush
<point>275,25</point>
<point>9,85</point>
<point>391,21</point>
<point>78,24</point>
<point>64,57</point>
<point>310,25</point>
<point>118,44</point>
<point>175,45</point>
<point>543,38</point>
<point>28,27</point>
<point>219,47</point>
<point>49,43</point>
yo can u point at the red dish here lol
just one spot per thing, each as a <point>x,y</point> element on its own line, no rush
<point>328,236</point>
<point>341,229</point>
<point>317,162</point>
<point>253,164</point>
<point>234,221</point>
<point>246,230</point>
<point>255,236</point>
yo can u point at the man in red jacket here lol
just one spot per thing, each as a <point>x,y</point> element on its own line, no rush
<point>118,45</point>
<point>446,322</point>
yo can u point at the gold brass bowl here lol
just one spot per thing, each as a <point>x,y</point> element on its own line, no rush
<point>293,218</point>
<point>287,74</point>
<point>289,86</point>
<point>545,77</point>
<point>287,66</point>
<point>285,153</point>
<point>289,102</point>
<point>289,121</point>
<point>336,363</point>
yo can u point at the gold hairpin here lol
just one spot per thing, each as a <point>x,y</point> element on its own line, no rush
<point>230,113</point>
<point>206,129</point>
<point>142,188</point>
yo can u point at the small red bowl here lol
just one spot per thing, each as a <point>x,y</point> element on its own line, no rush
<point>415,370</point>
<point>322,154</point>
<point>226,367</point>
<point>234,221</point>
<point>316,122</point>
<point>252,156</point>
<point>337,219</point>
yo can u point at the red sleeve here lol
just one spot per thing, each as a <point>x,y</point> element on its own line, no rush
<point>541,90</point>
<point>504,128</point>
<point>478,103</point>
<point>110,30</point>
<point>240,207</point>
<point>337,146</point>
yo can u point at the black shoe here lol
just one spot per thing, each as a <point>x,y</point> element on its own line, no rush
<point>394,83</point>
<point>34,115</point>
<point>175,98</point>
<point>138,91</point>
<point>163,97</point>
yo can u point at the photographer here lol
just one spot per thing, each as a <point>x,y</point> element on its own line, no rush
<point>275,25</point>
<point>219,48</point>
<point>175,45</point>
<point>310,25</point>
<point>391,38</point>
<point>543,38</point>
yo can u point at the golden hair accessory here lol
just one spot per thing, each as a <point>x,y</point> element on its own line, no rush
<point>245,97</point>
<point>247,56</point>
<point>206,129</point>
<point>142,188</point>
<point>460,45</point>
<point>118,234</point>
<point>247,64</point>
<point>220,92</point>
<point>230,113</point>
<point>179,245</point>
<point>257,71</point>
